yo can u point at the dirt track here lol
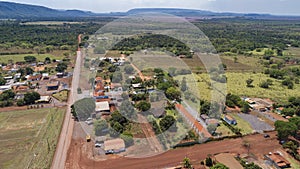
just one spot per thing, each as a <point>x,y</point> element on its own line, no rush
<point>80,159</point>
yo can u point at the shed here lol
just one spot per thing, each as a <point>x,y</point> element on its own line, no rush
<point>102,107</point>
<point>53,85</point>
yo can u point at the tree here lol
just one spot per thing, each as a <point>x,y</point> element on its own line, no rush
<point>143,106</point>
<point>288,111</point>
<point>211,128</point>
<point>127,110</point>
<point>2,81</point>
<point>20,102</point>
<point>100,127</point>
<point>128,139</point>
<point>245,107</point>
<point>61,67</point>
<point>209,162</point>
<point>82,109</point>
<point>29,59</point>
<point>296,121</point>
<point>264,84</point>
<point>7,95</point>
<point>47,60</point>
<point>186,163</point>
<point>173,94</point>
<point>128,69</point>
<point>205,107</point>
<point>166,122</point>
<point>235,59</point>
<point>249,82</point>
<point>219,166</point>
<point>183,85</point>
<point>285,129</point>
<point>31,97</point>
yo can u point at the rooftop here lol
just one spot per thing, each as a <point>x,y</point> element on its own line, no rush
<point>102,106</point>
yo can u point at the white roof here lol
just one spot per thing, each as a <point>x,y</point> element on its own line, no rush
<point>136,85</point>
<point>44,99</point>
<point>102,106</point>
<point>5,87</point>
<point>45,74</point>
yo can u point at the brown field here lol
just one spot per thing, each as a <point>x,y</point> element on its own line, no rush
<point>79,155</point>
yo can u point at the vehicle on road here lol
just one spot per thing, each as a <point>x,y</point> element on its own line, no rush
<point>88,138</point>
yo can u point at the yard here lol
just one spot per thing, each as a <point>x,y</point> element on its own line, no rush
<point>28,138</point>
<point>242,124</point>
<point>62,95</point>
<point>224,131</point>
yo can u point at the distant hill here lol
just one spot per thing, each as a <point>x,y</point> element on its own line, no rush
<point>11,10</point>
<point>18,11</point>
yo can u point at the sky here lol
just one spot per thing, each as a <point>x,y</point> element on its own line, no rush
<point>278,7</point>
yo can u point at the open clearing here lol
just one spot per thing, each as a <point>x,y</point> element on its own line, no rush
<point>79,157</point>
<point>236,84</point>
<point>20,57</point>
<point>28,138</point>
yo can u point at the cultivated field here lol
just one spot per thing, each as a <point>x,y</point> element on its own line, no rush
<point>28,138</point>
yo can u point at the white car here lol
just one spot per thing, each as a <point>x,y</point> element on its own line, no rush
<point>98,144</point>
<point>89,122</point>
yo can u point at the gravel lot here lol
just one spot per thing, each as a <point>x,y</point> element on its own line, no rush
<point>256,123</point>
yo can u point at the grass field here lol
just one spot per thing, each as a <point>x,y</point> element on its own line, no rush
<point>225,131</point>
<point>236,84</point>
<point>62,95</point>
<point>20,57</point>
<point>28,138</point>
<point>242,124</point>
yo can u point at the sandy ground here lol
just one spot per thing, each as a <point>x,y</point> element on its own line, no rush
<point>80,155</point>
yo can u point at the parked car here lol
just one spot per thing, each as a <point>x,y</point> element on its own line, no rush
<point>266,136</point>
<point>98,144</point>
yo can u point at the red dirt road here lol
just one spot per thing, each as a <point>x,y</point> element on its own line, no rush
<point>259,146</point>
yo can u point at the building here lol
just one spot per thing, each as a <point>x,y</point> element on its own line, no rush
<point>44,99</point>
<point>53,85</point>
<point>102,107</point>
<point>60,75</point>
<point>114,146</point>
<point>4,88</point>
<point>32,78</point>
<point>278,160</point>
<point>230,120</point>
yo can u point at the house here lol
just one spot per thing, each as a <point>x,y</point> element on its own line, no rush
<point>17,76</point>
<point>60,75</point>
<point>4,88</point>
<point>138,85</point>
<point>53,85</point>
<point>114,146</point>
<point>204,117</point>
<point>32,78</point>
<point>21,89</point>
<point>230,120</point>
<point>212,121</point>
<point>102,107</point>
<point>278,160</point>
<point>45,76</point>
<point>44,99</point>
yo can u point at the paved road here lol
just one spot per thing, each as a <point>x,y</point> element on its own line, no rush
<point>64,142</point>
<point>194,113</point>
